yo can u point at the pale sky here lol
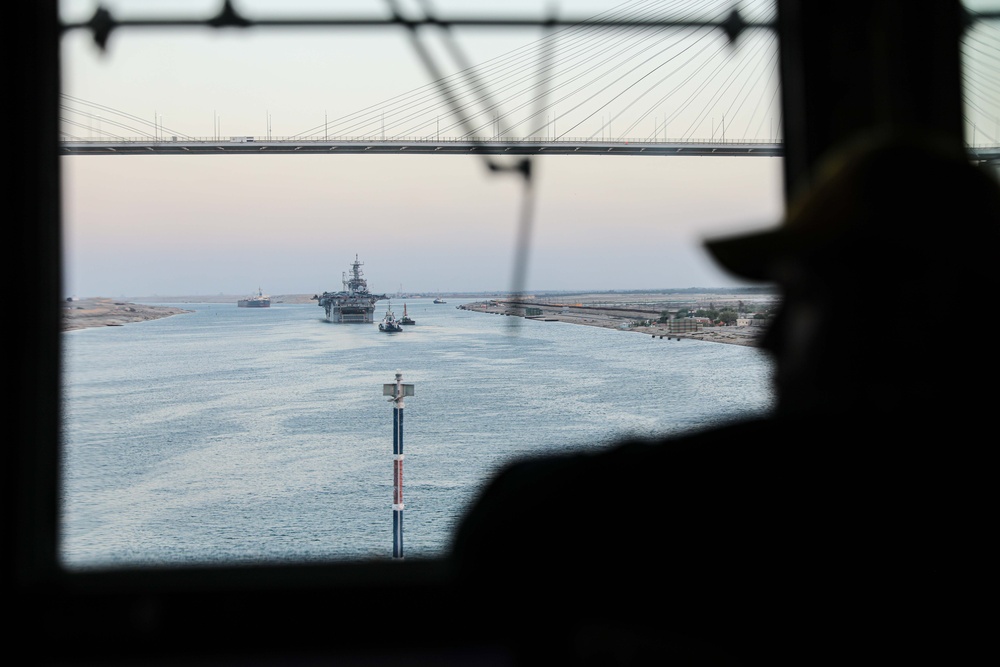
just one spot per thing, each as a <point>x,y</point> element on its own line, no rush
<point>206,225</point>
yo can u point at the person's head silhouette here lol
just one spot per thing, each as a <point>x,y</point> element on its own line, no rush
<point>891,247</point>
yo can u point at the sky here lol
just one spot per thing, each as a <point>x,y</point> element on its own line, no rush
<point>206,225</point>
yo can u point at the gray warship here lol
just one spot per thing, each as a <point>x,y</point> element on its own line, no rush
<point>354,303</point>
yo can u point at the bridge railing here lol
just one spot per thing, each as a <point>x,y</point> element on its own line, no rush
<point>427,140</point>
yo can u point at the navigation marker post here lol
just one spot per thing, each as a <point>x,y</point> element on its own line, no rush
<point>397,391</point>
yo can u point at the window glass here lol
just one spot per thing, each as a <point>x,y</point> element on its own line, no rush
<point>203,167</point>
<point>981,59</point>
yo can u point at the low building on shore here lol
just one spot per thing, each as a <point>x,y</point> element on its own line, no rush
<point>684,325</point>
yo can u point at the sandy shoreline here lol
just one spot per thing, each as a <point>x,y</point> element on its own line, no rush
<point>609,312</point>
<point>100,312</point>
<point>619,316</point>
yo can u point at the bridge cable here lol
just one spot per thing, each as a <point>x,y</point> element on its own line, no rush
<point>522,167</point>
<point>435,85</point>
<point>631,44</point>
<point>473,72</point>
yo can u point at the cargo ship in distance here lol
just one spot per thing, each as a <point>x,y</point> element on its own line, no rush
<point>354,303</point>
<point>258,300</point>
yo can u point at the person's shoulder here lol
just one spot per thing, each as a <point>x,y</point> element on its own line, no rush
<point>715,442</point>
<point>527,488</point>
<point>712,444</point>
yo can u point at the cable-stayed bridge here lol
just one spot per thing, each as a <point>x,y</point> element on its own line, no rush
<point>647,77</point>
<point>247,145</point>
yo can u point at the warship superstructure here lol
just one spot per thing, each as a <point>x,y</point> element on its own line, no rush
<point>354,303</point>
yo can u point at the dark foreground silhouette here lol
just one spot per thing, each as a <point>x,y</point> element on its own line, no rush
<point>849,526</point>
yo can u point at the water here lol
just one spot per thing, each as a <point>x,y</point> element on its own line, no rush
<point>248,435</point>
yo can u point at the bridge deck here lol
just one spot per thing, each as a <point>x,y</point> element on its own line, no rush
<point>416,147</point>
<point>254,146</point>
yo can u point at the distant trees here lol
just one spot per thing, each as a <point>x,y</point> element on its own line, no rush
<point>766,311</point>
<point>727,316</point>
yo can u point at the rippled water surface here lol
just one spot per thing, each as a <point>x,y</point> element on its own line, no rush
<point>233,434</point>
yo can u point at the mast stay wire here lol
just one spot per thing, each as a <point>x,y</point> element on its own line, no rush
<point>522,166</point>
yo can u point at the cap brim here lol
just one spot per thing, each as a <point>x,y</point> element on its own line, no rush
<point>863,205</point>
<point>751,255</point>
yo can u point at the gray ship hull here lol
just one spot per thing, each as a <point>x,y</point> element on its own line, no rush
<point>352,305</point>
<point>347,310</point>
<point>259,300</point>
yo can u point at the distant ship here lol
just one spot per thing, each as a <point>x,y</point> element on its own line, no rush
<point>389,324</point>
<point>354,303</point>
<point>439,300</point>
<point>258,300</point>
<point>406,319</point>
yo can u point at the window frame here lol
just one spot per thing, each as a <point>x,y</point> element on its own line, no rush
<point>844,68</point>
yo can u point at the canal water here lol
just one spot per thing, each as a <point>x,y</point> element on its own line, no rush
<point>261,435</point>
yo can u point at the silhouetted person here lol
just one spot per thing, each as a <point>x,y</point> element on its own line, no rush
<point>848,526</point>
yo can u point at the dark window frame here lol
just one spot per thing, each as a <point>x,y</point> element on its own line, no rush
<point>846,67</point>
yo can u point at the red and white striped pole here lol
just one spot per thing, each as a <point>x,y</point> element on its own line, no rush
<point>397,391</point>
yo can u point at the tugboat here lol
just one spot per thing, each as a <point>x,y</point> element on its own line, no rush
<point>389,323</point>
<point>439,300</point>
<point>406,319</point>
